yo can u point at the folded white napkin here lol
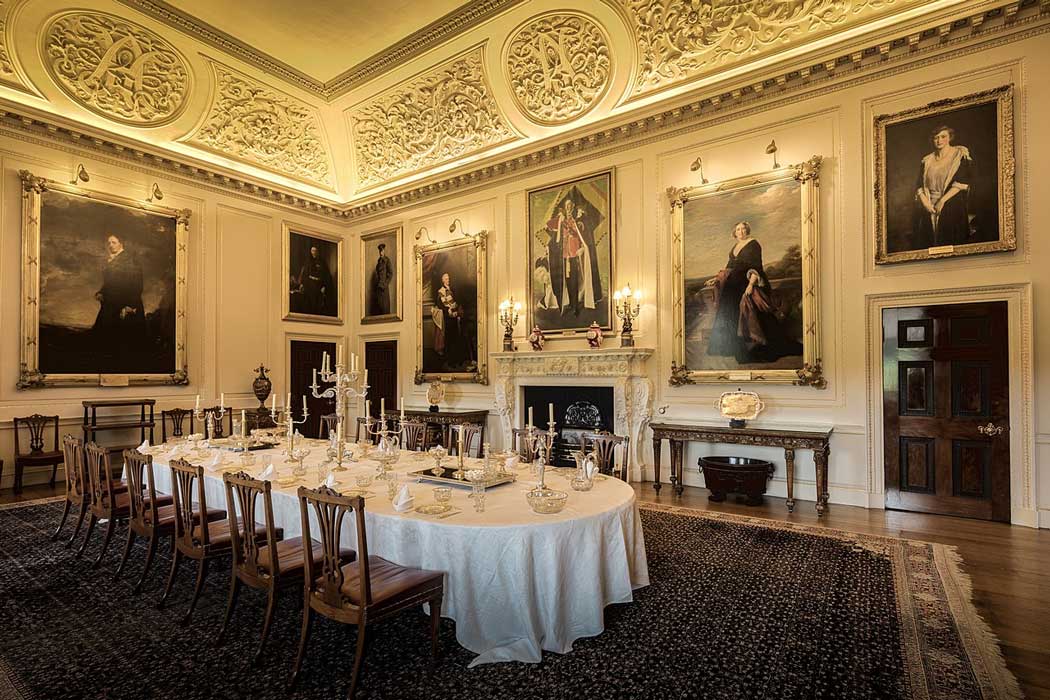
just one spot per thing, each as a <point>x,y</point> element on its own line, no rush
<point>268,472</point>
<point>512,461</point>
<point>330,481</point>
<point>144,447</point>
<point>404,500</point>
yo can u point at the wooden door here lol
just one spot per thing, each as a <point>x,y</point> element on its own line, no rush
<point>305,357</point>
<point>946,409</point>
<point>381,361</point>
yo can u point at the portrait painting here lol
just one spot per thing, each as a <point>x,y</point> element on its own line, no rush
<point>570,227</point>
<point>944,176</point>
<point>745,278</point>
<point>381,276</point>
<point>313,265</point>
<point>104,284</point>
<point>450,316</point>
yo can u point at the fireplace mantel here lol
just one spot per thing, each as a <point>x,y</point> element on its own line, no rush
<point>622,368</point>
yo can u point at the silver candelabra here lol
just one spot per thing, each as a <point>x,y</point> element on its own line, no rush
<point>209,417</point>
<point>283,416</point>
<point>343,389</point>
<point>542,443</point>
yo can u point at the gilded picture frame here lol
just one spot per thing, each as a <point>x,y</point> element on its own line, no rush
<point>156,315</point>
<point>808,372</point>
<point>304,296</point>
<point>980,127</point>
<point>465,337</point>
<point>372,310</point>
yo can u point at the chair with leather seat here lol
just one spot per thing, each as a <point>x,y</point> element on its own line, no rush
<point>147,516</point>
<point>197,537</point>
<point>364,591</point>
<point>271,564</point>
<point>37,425</point>
<point>604,445</point>
<point>77,488</point>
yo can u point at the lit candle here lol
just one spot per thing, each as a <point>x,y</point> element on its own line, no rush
<point>530,416</point>
<point>550,413</point>
<point>402,408</point>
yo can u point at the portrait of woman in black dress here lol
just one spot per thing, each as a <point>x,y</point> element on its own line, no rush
<point>749,319</point>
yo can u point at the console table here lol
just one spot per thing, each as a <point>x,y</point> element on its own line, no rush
<point>92,426</point>
<point>789,440</point>
<point>444,419</point>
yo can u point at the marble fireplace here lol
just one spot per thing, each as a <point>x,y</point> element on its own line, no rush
<point>621,369</point>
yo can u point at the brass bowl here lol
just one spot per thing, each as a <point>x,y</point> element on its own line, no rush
<point>546,501</point>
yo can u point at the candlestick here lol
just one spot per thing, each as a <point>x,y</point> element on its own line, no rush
<point>244,424</point>
<point>402,408</point>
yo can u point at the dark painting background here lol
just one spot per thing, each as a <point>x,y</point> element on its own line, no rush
<point>299,245</point>
<point>907,142</point>
<point>73,233</point>
<point>461,263</point>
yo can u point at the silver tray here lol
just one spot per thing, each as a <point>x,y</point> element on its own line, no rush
<point>227,444</point>
<point>448,478</point>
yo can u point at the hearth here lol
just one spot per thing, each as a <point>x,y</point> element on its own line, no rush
<point>577,410</point>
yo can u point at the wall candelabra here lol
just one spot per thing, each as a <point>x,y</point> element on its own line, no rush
<point>628,307</point>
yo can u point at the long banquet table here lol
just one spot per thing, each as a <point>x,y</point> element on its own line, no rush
<point>517,583</point>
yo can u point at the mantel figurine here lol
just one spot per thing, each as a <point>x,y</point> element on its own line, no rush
<point>594,335</point>
<point>536,338</point>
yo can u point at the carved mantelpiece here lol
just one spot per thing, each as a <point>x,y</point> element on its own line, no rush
<point>622,368</point>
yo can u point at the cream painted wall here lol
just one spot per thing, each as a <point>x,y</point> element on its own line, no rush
<point>236,278</point>
<point>235,284</point>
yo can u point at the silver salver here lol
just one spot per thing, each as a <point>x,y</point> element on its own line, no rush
<point>447,477</point>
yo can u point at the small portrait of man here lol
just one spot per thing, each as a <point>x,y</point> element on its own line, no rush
<point>384,273</point>
<point>313,276</point>
<point>380,276</point>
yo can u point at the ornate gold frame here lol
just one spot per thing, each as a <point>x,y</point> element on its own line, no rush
<point>30,376</point>
<point>399,292</point>
<point>811,371</point>
<point>1003,96</point>
<point>479,241</point>
<point>287,229</point>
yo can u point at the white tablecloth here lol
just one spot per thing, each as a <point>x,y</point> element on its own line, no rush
<point>517,582</point>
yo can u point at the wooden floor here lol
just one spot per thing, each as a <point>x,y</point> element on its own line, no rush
<point>1009,565</point>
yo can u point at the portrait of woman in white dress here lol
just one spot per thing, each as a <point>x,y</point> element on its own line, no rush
<point>942,192</point>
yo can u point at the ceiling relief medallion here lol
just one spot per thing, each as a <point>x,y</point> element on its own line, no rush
<point>559,66</point>
<point>440,115</point>
<point>683,39</point>
<point>115,68</point>
<point>253,122</point>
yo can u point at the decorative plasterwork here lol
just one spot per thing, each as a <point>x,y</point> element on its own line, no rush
<point>439,116</point>
<point>116,68</point>
<point>253,122</point>
<point>623,368</point>
<point>8,74</point>
<point>558,66</point>
<point>683,39</point>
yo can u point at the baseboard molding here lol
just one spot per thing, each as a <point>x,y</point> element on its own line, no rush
<point>1027,517</point>
<point>1044,518</point>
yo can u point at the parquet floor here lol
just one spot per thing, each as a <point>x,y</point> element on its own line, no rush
<point>1009,565</point>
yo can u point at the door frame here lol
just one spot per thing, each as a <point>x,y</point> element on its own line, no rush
<point>338,339</point>
<point>373,337</point>
<point>1018,298</point>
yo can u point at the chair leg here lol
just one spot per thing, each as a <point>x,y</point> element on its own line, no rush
<point>124,556</point>
<point>303,635</point>
<point>18,478</point>
<point>150,553</point>
<point>435,628</point>
<point>176,557</point>
<point>54,473</point>
<point>65,514</point>
<point>231,603</point>
<point>82,511</point>
<point>110,527</point>
<point>358,656</point>
<point>271,602</point>
<point>87,534</point>
<point>202,573</point>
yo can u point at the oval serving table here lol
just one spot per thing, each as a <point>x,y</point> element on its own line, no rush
<point>517,583</point>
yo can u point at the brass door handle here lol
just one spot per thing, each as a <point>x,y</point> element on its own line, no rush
<point>991,430</point>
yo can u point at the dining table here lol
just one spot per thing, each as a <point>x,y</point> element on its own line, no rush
<point>517,582</point>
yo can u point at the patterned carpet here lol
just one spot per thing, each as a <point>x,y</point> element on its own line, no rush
<point>738,608</point>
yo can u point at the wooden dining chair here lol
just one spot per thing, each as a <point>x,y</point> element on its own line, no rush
<point>38,427</point>
<point>413,433</point>
<point>177,419</point>
<point>603,445</point>
<point>525,448</point>
<point>270,564</point>
<point>473,435</point>
<point>148,515</point>
<point>362,422</point>
<point>329,425</point>
<point>364,591</point>
<point>78,491</point>
<point>221,429</point>
<point>197,537</point>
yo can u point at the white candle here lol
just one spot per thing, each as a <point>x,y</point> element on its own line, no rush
<point>368,409</point>
<point>338,355</point>
<point>273,402</point>
<point>304,404</point>
<point>550,412</point>
<point>222,400</point>
<point>382,407</point>
<point>402,408</point>
<point>198,405</point>
<point>530,416</point>
<point>244,424</point>
<point>288,401</point>
<point>365,381</point>
<point>314,385</point>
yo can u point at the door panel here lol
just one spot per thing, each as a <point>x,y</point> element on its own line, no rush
<point>381,361</point>
<point>305,356</point>
<point>945,375</point>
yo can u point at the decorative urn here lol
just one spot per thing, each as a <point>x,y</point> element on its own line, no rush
<point>594,335</point>
<point>536,338</point>
<point>262,386</point>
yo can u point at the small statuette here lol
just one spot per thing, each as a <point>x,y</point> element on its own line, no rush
<point>536,338</point>
<point>594,335</point>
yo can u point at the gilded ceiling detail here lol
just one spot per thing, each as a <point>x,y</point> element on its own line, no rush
<point>436,117</point>
<point>252,122</point>
<point>115,68</point>
<point>7,67</point>
<point>559,66</point>
<point>682,39</point>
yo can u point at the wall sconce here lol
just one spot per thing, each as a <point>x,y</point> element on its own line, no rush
<point>628,307</point>
<point>509,311</point>
<point>81,174</point>
<point>452,228</point>
<point>698,164</point>
<point>424,232</point>
<point>772,149</point>
<point>155,194</point>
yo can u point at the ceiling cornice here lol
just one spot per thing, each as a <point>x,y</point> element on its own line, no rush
<point>995,24</point>
<point>437,32</point>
